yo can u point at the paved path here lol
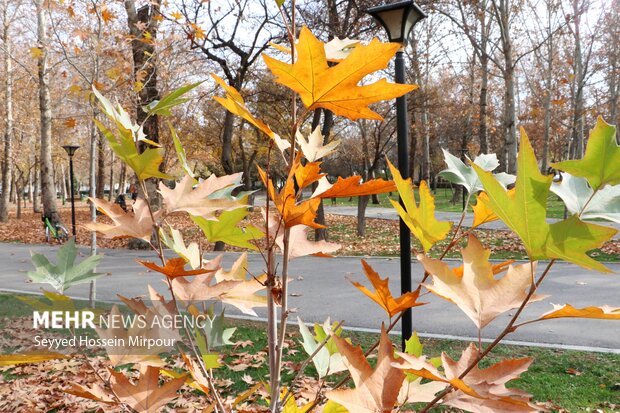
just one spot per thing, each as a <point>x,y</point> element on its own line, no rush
<point>390,213</point>
<point>319,289</point>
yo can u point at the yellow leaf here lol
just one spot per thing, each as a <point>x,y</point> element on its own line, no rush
<point>176,15</point>
<point>138,86</point>
<point>36,52</point>
<point>482,211</point>
<point>336,88</point>
<point>23,358</point>
<point>420,219</point>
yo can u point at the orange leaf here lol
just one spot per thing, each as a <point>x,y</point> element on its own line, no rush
<point>174,268</point>
<point>70,123</point>
<point>336,87</point>
<point>307,174</point>
<point>482,211</point>
<point>107,15</point>
<point>348,187</point>
<point>605,312</point>
<point>382,294</point>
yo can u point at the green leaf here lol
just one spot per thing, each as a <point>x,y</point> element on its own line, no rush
<point>413,346</point>
<point>162,107</point>
<point>601,163</point>
<point>211,360</point>
<point>145,164</point>
<point>524,211</point>
<point>181,154</point>
<point>225,229</point>
<point>216,333</point>
<point>324,362</point>
<point>65,273</point>
<point>580,199</point>
<point>280,2</point>
<point>461,174</point>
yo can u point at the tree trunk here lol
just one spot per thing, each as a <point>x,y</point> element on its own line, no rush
<point>227,135</point>
<point>101,167</point>
<point>7,162</point>
<point>483,102</point>
<point>111,193</point>
<point>362,203</point>
<point>578,84</point>
<point>48,188</point>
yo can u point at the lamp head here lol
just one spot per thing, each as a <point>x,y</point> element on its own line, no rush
<point>398,19</point>
<point>71,149</point>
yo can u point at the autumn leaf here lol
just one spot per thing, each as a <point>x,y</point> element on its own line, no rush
<point>601,163</point>
<point>226,229</point>
<point>419,218</point>
<point>489,384</point>
<point>292,212</point>
<point>176,15</point>
<point>94,392</point>
<point>70,123</point>
<point>210,196</point>
<point>482,212</point>
<point>299,244</point>
<point>36,52</point>
<point>336,49</point>
<point>475,288</point>
<point>190,253</point>
<point>561,311</point>
<point>375,390</point>
<point>175,267</point>
<point>145,396</point>
<point>351,186</point>
<point>313,148</point>
<point>336,87</point>
<point>136,224</point>
<point>525,211</point>
<point>235,104</point>
<point>181,153</point>
<point>413,390</point>
<point>107,16</point>
<point>461,174</point>
<point>324,361</point>
<point>582,200</point>
<point>32,357</point>
<point>382,294</point>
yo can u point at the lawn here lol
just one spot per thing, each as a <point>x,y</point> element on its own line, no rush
<point>566,381</point>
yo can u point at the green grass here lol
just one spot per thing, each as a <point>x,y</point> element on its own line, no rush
<point>595,386</point>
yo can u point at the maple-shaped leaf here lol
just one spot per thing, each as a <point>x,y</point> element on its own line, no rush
<point>336,88</point>
<point>601,163</point>
<point>175,267</point>
<point>94,392</point>
<point>351,186</point>
<point>482,212</point>
<point>175,98</point>
<point>475,287</point>
<point>213,327</point>
<point>324,361</point>
<point>524,211</point>
<point>181,153</point>
<point>226,229</point>
<point>292,212</point>
<point>489,384</point>
<point>419,218</point>
<point>461,174</point>
<point>210,196</point>
<point>581,199</point>
<point>604,312</point>
<point>132,224</point>
<point>376,390</point>
<point>159,306</point>
<point>235,104</point>
<point>382,294</point>
<point>313,148</point>
<point>145,396</point>
<point>65,273</point>
<point>307,174</point>
<point>190,253</point>
<point>299,244</point>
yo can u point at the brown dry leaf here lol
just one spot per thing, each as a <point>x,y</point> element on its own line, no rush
<point>382,294</point>
<point>201,382</point>
<point>145,396</point>
<point>299,244</point>
<point>95,392</point>
<point>489,384</point>
<point>175,267</point>
<point>136,224</point>
<point>199,201</point>
<point>474,289</point>
<point>375,390</point>
<point>604,312</point>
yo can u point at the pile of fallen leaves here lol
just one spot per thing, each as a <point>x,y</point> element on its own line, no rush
<point>381,237</point>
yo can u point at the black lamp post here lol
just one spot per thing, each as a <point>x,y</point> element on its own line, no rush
<point>398,20</point>
<point>71,151</point>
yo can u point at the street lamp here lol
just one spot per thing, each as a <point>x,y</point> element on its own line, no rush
<point>398,20</point>
<point>71,151</point>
